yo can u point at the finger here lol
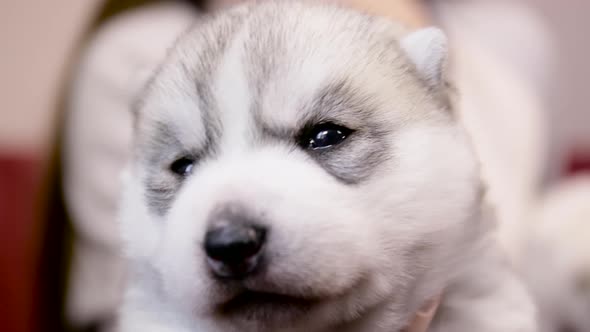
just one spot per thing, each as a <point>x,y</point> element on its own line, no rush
<point>424,317</point>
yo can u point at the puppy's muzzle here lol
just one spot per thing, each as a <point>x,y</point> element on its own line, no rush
<point>234,248</point>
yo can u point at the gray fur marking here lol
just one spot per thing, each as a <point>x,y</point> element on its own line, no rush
<point>355,159</point>
<point>161,184</point>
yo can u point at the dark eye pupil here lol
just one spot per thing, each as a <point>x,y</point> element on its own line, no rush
<point>326,138</point>
<point>182,166</point>
<point>327,135</point>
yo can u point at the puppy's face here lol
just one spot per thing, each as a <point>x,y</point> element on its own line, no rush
<point>299,175</point>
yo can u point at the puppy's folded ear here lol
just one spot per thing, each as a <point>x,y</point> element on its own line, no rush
<point>428,50</point>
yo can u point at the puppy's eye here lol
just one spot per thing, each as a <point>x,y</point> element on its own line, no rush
<point>325,135</point>
<point>182,166</point>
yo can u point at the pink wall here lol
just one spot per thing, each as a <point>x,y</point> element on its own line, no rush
<point>35,39</point>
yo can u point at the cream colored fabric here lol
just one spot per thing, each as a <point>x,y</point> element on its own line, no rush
<point>502,55</point>
<point>559,243</point>
<point>496,104</point>
<point>503,117</point>
<point>97,139</point>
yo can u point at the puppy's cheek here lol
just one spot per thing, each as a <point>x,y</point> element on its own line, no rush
<point>140,230</point>
<point>320,240</point>
<point>320,236</point>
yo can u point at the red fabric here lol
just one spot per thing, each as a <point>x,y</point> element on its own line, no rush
<point>19,178</point>
<point>578,162</point>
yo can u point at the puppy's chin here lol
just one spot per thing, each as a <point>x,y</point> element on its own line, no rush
<point>249,305</point>
<point>268,311</point>
<point>262,306</point>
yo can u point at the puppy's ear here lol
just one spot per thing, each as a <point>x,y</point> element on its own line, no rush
<point>428,50</point>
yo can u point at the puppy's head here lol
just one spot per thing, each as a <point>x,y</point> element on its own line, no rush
<point>298,165</point>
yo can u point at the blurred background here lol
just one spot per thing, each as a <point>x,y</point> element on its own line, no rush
<point>39,38</point>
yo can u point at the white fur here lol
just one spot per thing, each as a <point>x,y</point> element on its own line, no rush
<point>428,49</point>
<point>371,252</point>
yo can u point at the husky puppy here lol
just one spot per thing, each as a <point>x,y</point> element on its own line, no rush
<point>299,167</point>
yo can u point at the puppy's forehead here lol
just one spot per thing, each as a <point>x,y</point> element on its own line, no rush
<point>262,64</point>
<point>300,56</point>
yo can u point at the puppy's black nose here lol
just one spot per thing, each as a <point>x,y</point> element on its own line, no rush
<point>234,250</point>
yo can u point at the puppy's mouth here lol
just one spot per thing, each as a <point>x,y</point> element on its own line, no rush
<point>267,307</point>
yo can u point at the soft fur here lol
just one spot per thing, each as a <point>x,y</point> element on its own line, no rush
<point>362,233</point>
